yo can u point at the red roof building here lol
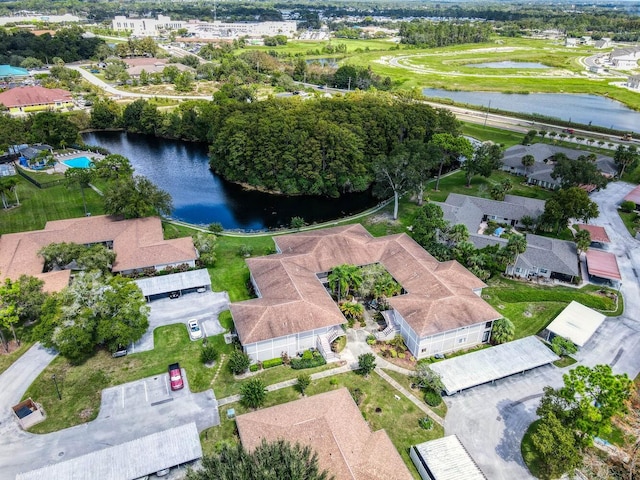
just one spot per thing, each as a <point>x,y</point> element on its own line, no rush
<point>25,99</point>
<point>603,265</point>
<point>634,196</point>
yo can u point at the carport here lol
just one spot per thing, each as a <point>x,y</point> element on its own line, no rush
<point>445,459</point>
<point>490,364</point>
<point>154,288</point>
<point>130,460</point>
<point>576,323</point>
<point>603,266</point>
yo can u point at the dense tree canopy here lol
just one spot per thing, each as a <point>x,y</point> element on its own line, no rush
<point>94,310</point>
<point>565,204</point>
<point>136,197</point>
<point>424,33</point>
<point>269,461</point>
<point>581,171</point>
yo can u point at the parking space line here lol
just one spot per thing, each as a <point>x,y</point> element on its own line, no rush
<point>204,330</point>
<point>146,396</point>
<point>166,385</point>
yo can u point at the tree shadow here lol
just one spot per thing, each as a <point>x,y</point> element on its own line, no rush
<point>517,416</point>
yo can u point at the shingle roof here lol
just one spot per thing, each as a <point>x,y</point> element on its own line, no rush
<point>292,299</point>
<point>138,243</point>
<point>552,254</point>
<point>26,96</point>
<point>333,426</point>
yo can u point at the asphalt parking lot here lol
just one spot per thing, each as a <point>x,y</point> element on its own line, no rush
<point>204,307</point>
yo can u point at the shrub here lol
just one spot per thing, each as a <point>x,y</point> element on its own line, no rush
<point>627,206</point>
<point>274,362</point>
<point>307,355</point>
<point>425,423</point>
<point>314,361</point>
<point>366,363</point>
<point>371,340</point>
<point>402,355</point>
<point>245,250</point>
<point>285,358</point>
<point>254,368</point>
<point>432,398</point>
<point>209,354</point>
<point>393,353</point>
<point>333,382</point>
<point>239,362</point>
<point>216,227</point>
<point>304,380</point>
<point>356,394</point>
<point>253,393</point>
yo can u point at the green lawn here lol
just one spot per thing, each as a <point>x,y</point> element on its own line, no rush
<point>529,454</point>
<point>628,218</point>
<point>398,417</point>
<point>6,360</point>
<point>532,307</point>
<point>80,385</point>
<point>496,135</point>
<point>38,206</point>
<point>406,383</point>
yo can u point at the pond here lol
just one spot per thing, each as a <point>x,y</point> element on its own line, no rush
<point>325,62</point>
<point>508,64</point>
<point>580,108</point>
<point>201,197</point>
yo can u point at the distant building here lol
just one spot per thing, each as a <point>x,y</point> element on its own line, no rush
<point>22,100</point>
<point>34,17</point>
<point>603,43</point>
<point>8,72</point>
<point>146,27</point>
<point>625,58</point>
<point>634,82</point>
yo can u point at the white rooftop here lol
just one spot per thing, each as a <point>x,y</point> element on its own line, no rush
<point>493,363</point>
<point>447,459</point>
<point>576,323</point>
<point>174,282</point>
<point>129,460</point>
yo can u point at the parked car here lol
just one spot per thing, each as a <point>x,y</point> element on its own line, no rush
<point>175,377</point>
<point>174,294</point>
<point>194,329</point>
<point>120,352</point>
<point>201,290</point>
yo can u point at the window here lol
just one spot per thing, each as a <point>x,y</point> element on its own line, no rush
<point>485,337</point>
<point>518,270</point>
<point>544,270</point>
<point>462,340</point>
<point>423,350</point>
<point>488,325</point>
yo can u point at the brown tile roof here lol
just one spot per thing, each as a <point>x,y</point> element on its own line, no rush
<point>598,234</point>
<point>138,243</point>
<point>333,426</point>
<point>603,264</point>
<point>26,96</point>
<point>292,299</point>
<point>634,196</point>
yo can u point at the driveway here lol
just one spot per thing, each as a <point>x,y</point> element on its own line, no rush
<point>491,419</point>
<point>204,307</point>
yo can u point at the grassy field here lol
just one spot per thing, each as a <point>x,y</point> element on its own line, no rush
<point>398,417</point>
<point>80,385</point>
<point>496,135</point>
<point>302,47</point>
<point>532,307</point>
<point>38,206</point>
<point>405,381</point>
<point>6,359</point>
<point>628,218</point>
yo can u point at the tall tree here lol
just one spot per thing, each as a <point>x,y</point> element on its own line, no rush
<point>565,204</point>
<point>626,157</point>
<point>486,159</point>
<point>581,171</point>
<point>80,177</point>
<point>555,445</point>
<point>451,148</point>
<point>392,173</point>
<point>112,167</point>
<point>269,461</point>
<point>254,393</point>
<point>343,278</point>
<point>583,240</point>
<point>422,162</point>
<point>136,197</point>
<point>516,246</point>
<point>428,224</point>
<point>528,161</point>
<point>503,331</point>
<point>54,129</point>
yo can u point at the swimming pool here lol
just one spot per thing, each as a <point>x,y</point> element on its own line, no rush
<point>78,162</point>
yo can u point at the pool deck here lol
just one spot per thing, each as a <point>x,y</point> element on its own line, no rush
<point>61,167</point>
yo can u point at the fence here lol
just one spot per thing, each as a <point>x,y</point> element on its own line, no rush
<point>24,175</point>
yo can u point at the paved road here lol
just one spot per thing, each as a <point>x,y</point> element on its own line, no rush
<point>491,419</point>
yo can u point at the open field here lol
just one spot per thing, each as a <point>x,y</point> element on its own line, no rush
<point>6,359</point>
<point>377,393</point>
<point>309,47</point>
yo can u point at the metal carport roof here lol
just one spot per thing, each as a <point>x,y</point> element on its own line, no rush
<point>493,363</point>
<point>603,264</point>
<point>129,460</point>
<point>576,323</point>
<point>174,282</point>
<point>445,459</point>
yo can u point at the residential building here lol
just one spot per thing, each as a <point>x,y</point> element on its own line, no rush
<point>26,17</point>
<point>625,58</point>
<point>603,43</point>
<point>146,27</point>
<point>540,172</point>
<point>332,425</point>
<point>544,257</point>
<point>138,243</point>
<point>634,82</point>
<point>634,196</point>
<point>21,100</point>
<point>440,312</point>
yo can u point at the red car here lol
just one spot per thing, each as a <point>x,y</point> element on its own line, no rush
<point>175,376</point>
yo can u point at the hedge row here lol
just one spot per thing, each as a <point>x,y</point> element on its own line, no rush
<point>274,362</point>
<point>300,363</point>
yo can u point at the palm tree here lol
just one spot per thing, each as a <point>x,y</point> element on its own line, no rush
<point>8,184</point>
<point>527,162</point>
<point>352,310</point>
<point>80,177</point>
<point>343,278</point>
<point>503,331</point>
<point>583,240</point>
<point>517,244</point>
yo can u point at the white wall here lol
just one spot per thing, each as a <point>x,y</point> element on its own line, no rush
<point>292,344</point>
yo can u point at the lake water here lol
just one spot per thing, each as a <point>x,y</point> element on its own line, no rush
<point>580,108</point>
<point>201,197</point>
<point>508,64</point>
<point>325,62</point>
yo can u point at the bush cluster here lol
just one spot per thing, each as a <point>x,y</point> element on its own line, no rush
<point>274,362</point>
<point>432,398</point>
<point>309,360</point>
